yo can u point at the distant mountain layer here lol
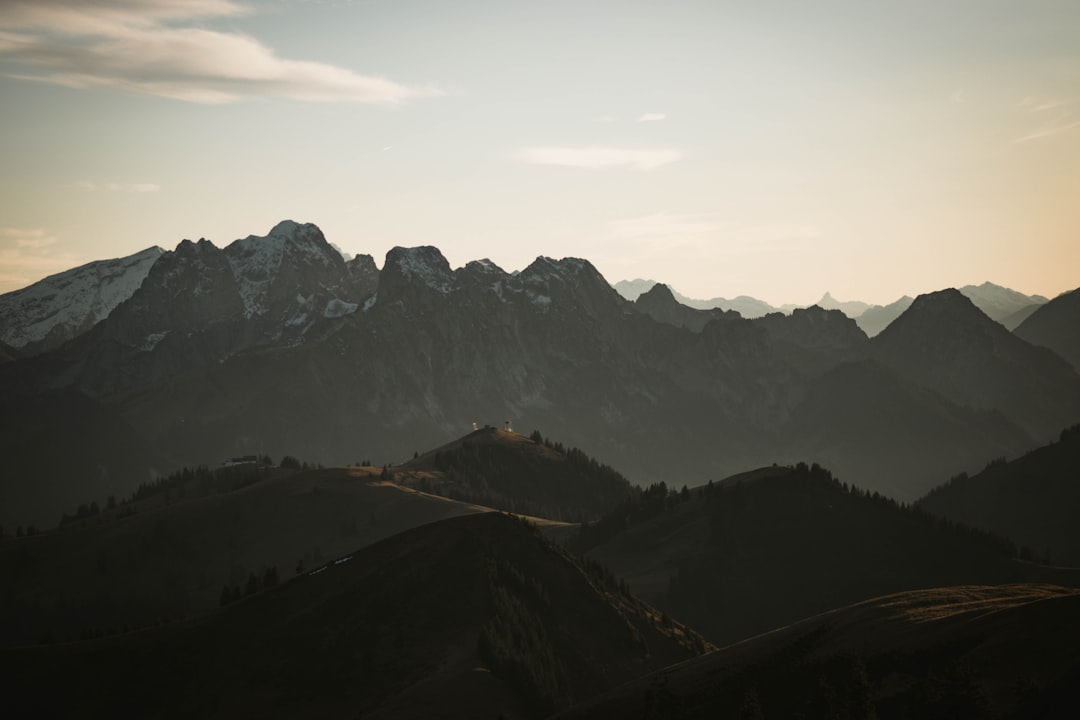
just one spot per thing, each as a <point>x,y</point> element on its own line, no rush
<point>50,312</point>
<point>878,317</point>
<point>745,305</point>
<point>1034,500</point>
<point>1001,304</point>
<point>944,343</point>
<point>1056,325</point>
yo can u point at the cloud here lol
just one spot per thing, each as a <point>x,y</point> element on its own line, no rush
<point>651,117</point>
<point>29,254</point>
<point>143,187</point>
<point>1055,127</point>
<point>595,158</point>
<point>1057,116</point>
<point>153,47</point>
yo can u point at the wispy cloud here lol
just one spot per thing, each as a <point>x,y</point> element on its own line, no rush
<point>29,254</point>
<point>1055,117</point>
<point>154,47</point>
<point>142,187</point>
<point>595,158</point>
<point>652,117</point>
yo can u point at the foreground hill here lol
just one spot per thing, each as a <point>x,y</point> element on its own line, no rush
<point>173,553</point>
<point>469,617</point>
<point>962,652</point>
<point>1033,500</point>
<point>767,548</point>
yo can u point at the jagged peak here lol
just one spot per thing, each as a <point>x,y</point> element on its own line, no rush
<point>363,262</point>
<point>949,305</point>
<point>658,293</point>
<point>485,266</point>
<point>424,263</point>
<point>287,228</point>
<point>187,247</point>
<point>544,268</point>
<point>949,297</point>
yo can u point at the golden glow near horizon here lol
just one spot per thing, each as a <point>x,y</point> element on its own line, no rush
<point>778,149</point>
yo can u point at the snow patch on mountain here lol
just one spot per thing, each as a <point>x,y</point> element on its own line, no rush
<point>256,261</point>
<point>69,303</point>
<point>152,341</point>
<point>339,308</point>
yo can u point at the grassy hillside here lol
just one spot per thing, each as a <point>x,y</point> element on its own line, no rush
<point>963,652</point>
<point>469,617</point>
<point>762,550</point>
<point>1033,500</point>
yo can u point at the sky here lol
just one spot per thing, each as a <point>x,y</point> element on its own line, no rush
<point>775,148</point>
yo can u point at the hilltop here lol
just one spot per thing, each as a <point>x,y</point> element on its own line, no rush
<point>515,473</point>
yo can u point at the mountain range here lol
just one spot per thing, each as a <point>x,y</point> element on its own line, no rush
<point>1000,304</point>
<point>276,344</point>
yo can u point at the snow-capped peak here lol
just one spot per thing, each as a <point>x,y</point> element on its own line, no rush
<point>68,304</point>
<point>256,261</point>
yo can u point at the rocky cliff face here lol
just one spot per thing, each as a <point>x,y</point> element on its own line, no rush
<point>200,304</point>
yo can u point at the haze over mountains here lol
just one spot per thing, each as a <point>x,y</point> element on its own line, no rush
<point>278,344</point>
<point>774,459</point>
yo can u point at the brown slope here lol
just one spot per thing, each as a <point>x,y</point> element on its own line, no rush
<point>468,617</point>
<point>970,651</point>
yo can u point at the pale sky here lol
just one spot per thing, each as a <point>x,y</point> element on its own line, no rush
<point>778,149</point>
